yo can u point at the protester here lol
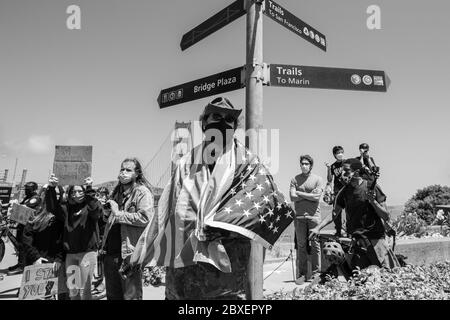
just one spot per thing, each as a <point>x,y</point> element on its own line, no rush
<point>33,201</point>
<point>131,209</point>
<point>366,210</point>
<point>80,238</point>
<point>43,242</point>
<point>99,290</point>
<point>370,169</point>
<point>305,191</point>
<point>204,216</point>
<point>334,172</point>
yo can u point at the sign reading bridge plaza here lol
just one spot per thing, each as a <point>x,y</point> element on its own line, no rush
<point>327,78</point>
<point>215,84</point>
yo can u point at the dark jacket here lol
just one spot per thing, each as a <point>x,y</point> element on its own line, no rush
<point>46,243</point>
<point>80,221</point>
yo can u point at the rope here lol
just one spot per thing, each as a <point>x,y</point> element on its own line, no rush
<point>289,256</point>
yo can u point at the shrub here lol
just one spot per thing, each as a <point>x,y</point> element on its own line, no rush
<point>424,201</point>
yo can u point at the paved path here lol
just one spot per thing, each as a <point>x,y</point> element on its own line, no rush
<point>281,279</point>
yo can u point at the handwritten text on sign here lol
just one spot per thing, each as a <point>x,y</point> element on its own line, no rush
<point>38,281</point>
<point>72,164</point>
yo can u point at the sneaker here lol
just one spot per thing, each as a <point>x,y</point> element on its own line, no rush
<point>300,281</point>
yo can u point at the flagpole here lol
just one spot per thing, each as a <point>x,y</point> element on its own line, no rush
<point>254,120</point>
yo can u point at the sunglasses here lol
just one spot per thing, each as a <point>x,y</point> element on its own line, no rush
<point>218,117</point>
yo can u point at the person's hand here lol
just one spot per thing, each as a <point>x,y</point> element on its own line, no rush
<point>56,267</point>
<point>371,196</point>
<point>40,261</point>
<point>88,181</point>
<point>53,181</point>
<point>114,206</point>
<point>314,233</point>
<point>328,165</point>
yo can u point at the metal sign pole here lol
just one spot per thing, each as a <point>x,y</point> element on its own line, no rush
<point>254,121</point>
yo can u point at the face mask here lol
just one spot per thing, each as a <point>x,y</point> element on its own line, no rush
<point>125,179</point>
<point>222,126</point>
<point>339,157</point>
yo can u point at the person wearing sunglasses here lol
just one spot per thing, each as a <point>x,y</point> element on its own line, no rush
<point>305,190</point>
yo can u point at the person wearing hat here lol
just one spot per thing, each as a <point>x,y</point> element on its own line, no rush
<point>205,262</point>
<point>366,213</point>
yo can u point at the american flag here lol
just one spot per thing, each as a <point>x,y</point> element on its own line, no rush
<point>242,198</point>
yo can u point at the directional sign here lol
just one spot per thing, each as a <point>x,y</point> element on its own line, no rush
<point>279,14</point>
<point>327,78</point>
<point>216,22</point>
<point>218,83</point>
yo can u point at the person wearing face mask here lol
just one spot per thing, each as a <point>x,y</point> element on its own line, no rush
<point>204,262</point>
<point>80,214</point>
<point>129,210</point>
<point>334,172</point>
<point>367,214</point>
<point>33,201</point>
<point>305,191</point>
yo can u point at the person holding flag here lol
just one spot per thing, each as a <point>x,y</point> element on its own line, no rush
<point>220,197</point>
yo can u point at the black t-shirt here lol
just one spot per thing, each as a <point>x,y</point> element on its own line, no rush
<point>336,171</point>
<point>360,213</point>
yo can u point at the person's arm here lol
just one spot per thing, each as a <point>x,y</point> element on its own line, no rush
<point>53,205</point>
<point>313,195</point>
<point>378,201</point>
<point>143,214</point>
<point>94,207</point>
<point>337,211</point>
<point>293,191</point>
<point>329,174</point>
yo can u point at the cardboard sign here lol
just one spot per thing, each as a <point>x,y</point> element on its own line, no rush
<point>21,213</point>
<point>72,164</point>
<point>38,281</point>
<point>5,194</point>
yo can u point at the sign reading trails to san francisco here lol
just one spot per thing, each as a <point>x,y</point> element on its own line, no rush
<point>218,83</point>
<point>327,78</point>
<point>279,14</point>
<point>216,22</point>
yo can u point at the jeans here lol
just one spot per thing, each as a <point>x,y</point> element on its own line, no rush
<point>302,226</point>
<point>118,288</point>
<point>80,270</point>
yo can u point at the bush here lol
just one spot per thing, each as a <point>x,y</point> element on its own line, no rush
<point>424,201</point>
<point>431,282</point>
<point>408,224</point>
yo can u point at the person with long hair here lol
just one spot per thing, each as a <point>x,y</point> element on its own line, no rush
<point>130,211</point>
<point>43,241</point>
<point>80,214</point>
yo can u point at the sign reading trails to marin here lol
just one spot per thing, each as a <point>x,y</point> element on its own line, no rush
<point>218,83</point>
<point>72,164</point>
<point>327,78</point>
<point>216,22</point>
<point>279,14</point>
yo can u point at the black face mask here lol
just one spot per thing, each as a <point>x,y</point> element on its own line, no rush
<point>222,126</point>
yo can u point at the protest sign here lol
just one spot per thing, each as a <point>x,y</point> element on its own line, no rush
<point>72,164</point>
<point>21,213</point>
<point>38,281</point>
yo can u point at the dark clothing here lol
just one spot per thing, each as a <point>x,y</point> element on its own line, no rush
<point>114,241</point>
<point>118,288</point>
<point>361,215</point>
<point>204,281</point>
<point>33,202</point>
<point>80,221</point>
<point>46,243</point>
<point>336,171</point>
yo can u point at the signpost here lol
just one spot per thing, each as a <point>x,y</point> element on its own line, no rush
<point>218,83</point>
<point>216,22</point>
<point>282,75</point>
<point>279,14</point>
<point>72,164</point>
<point>256,75</point>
